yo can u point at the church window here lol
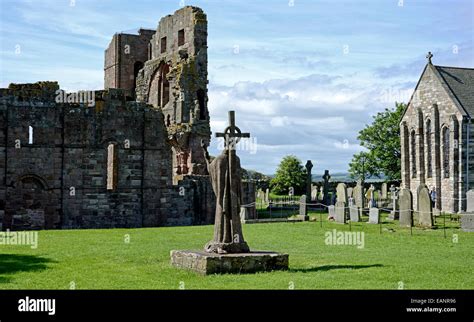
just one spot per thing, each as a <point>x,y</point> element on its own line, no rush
<point>445,135</point>
<point>428,149</point>
<point>413,153</point>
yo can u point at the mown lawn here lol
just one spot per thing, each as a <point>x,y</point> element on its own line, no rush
<point>101,259</point>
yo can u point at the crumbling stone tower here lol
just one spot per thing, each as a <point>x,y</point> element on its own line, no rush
<point>173,79</point>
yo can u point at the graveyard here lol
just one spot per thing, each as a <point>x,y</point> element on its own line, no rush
<point>143,186</point>
<point>392,258</point>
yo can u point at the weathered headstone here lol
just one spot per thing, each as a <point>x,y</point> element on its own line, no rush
<point>326,178</point>
<point>314,192</point>
<point>340,209</point>
<point>405,202</point>
<point>374,215</point>
<point>321,194</point>
<point>470,201</point>
<point>369,196</point>
<point>303,213</point>
<point>394,196</point>
<point>267,195</point>
<point>331,212</point>
<point>349,192</point>
<point>341,191</point>
<point>358,194</point>
<point>384,191</point>
<point>425,210</point>
<point>354,214</point>
<point>467,222</point>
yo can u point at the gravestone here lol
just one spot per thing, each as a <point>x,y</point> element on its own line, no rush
<point>227,252</point>
<point>303,213</point>
<point>358,193</point>
<point>467,222</point>
<point>314,192</point>
<point>340,212</point>
<point>349,192</point>
<point>425,210</point>
<point>384,191</point>
<point>394,196</point>
<point>405,203</point>
<point>341,191</point>
<point>374,215</point>
<point>331,212</point>
<point>267,195</point>
<point>470,201</point>
<point>354,214</point>
<point>321,194</point>
<point>369,196</point>
<point>326,178</point>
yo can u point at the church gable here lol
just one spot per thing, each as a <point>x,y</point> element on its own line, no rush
<point>430,90</point>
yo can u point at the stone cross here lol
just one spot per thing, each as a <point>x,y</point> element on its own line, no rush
<point>232,134</point>
<point>326,178</point>
<point>225,173</point>
<point>394,196</point>
<point>429,56</point>
<point>309,166</point>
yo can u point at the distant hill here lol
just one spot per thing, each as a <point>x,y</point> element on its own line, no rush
<point>340,177</point>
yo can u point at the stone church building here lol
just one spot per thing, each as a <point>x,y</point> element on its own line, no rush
<point>437,136</point>
<point>133,158</point>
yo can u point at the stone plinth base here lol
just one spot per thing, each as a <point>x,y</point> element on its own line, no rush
<point>207,263</point>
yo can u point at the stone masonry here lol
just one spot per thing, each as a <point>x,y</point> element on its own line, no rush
<point>68,164</point>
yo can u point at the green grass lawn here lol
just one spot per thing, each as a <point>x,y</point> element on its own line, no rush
<point>100,259</point>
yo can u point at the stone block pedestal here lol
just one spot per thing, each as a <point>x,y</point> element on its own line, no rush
<point>207,263</point>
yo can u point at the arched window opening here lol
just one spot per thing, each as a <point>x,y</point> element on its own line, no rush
<point>30,134</point>
<point>445,135</point>
<point>111,167</point>
<point>429,159</point>
<point>164,86</point>
<point>413,153</point>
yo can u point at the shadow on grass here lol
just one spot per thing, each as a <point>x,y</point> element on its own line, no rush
<point>11,264</point>
<point>331,267</point>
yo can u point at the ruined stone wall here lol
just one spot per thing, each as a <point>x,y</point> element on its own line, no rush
<point>432,104</point>
<point>124,57</point>
<point>175,81</point>
<point>60,180</point>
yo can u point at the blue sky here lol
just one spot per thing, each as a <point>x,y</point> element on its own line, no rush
<point>303,76</point>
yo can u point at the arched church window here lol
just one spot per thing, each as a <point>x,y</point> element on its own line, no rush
<point>429,164</point>
<point>445,136</point>
<point>413,153</point>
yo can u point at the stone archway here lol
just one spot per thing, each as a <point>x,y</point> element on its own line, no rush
<point>29,205</point>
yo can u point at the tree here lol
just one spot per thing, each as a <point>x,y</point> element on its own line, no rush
<point>382,140</point>
<point>290,174</point>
